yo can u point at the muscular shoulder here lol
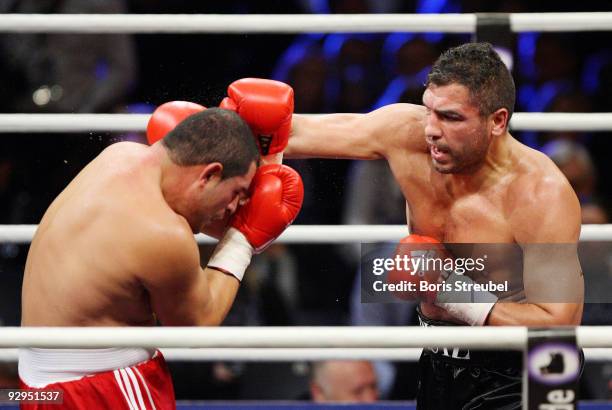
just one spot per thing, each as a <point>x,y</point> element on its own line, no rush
<point>399,125</point>
<point>121,159</point>
<point>544,206</point>
<point>124,148</point>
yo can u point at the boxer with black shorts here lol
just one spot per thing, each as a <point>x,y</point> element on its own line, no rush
<point>467,180</point>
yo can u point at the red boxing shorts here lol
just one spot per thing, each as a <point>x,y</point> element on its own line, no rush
<point>144,386</point>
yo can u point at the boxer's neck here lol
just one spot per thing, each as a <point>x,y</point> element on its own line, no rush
<point>496,164</point>
<point>174,180</point>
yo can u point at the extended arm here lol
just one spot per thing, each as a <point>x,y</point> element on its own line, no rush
<point>356,136</point>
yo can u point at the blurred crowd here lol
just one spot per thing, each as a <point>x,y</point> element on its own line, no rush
<point>101,73</point>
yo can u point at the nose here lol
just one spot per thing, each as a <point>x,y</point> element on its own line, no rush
<point>432,127</point>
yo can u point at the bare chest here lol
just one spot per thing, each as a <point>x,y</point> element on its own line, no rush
<point>477,217</point>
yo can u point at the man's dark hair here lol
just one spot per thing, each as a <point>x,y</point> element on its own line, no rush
<point>213,135</point>
<point>478,67</point>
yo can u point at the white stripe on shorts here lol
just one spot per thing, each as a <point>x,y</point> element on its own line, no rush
<point>144,383</point>
<point>128,388</point>
<point>136,387</point>
<point>120,384</point>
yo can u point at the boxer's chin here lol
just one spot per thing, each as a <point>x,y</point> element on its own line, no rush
<point>456,167</point>
<point>443,168</point>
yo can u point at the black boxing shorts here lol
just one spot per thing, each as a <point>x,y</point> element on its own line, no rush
<point>453,378</point>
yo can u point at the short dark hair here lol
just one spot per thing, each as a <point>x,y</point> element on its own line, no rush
<point>213,135</point>
<point>478,67</point>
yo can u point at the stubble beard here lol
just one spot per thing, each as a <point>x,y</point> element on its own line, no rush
<point>465,163</point>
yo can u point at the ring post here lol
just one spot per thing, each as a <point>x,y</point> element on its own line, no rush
<point>552,367</point>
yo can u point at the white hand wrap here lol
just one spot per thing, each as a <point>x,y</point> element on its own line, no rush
<point>471,307</point>
<point>233,254</point>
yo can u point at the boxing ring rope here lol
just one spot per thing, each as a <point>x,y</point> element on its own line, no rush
<point>314,234</point>
<point>293,23</point>
<point>87,123</point>
<point>288,343</point>
<point>246,354</point>
<point>484,338</point>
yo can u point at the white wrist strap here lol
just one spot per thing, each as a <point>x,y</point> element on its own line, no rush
<point>471,307</point>
<point>233,254</point>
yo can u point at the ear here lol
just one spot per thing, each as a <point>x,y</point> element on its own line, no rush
<point>210,171</point>
<point>499,121</point>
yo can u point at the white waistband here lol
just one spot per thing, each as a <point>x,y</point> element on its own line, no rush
<point>40,367</point>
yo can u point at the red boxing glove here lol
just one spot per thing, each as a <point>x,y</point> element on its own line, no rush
<point>267,106</point>
<point>433,285</point>
<point>276,198</point>
<point>277,193</point>
<point>167,116</point>
<point>413,252</point>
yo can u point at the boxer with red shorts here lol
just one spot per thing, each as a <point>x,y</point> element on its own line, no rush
<point>117,246</point>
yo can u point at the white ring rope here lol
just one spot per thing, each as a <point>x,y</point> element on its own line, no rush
<point>265,354</point>
<point>567,121</point>
<point>313,234</point>
<point>85,123</point>
<point>293,23</point>
<point>236,23</point>
<point>487,338</point>
<point>237,354</point>
<point>88,123</point>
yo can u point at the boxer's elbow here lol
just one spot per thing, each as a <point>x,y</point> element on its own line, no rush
<point>195,317</point>
<point>177,319</point>
<point>210,316</point>
<point>561,314</point>
<point>213,320</point>
<point>531,314</point>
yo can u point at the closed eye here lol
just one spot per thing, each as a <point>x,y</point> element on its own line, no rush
<point>450,116</point>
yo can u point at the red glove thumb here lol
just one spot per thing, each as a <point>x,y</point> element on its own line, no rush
<point>167,116</point>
